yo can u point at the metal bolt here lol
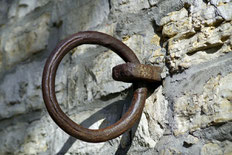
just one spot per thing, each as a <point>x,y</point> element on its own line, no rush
<point>131,72</point>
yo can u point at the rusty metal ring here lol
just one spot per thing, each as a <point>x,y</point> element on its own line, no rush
<point>48,88</point>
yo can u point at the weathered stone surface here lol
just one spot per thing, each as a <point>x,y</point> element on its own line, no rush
<point>1,61</point>
<point>190,140</point>
<point>213,106</point>
<point>220,133</point>
<point>185,144</point>
<point>35,137</point>
<point>130,6</point>
<point>89,15</point>
<point>211,148</point>
<point>24,94</point>
<point>224,9</point>
<point>191,111</point>
<point>204,105</point>
<point>12,137</point>
<point>22,41</point>
<point>153,2</point>
<point>174,16</point>
<point>156,120</point>
<point>22,8</point>
<point>196,36</point>
<point>228,148</point>
<point>3,11</point>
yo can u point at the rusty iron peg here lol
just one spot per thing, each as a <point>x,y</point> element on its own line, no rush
<point>133,70</point>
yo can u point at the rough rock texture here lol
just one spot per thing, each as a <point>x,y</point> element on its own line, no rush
<point>210,100</point>
<point>190,113</point>
<point>196,34</point>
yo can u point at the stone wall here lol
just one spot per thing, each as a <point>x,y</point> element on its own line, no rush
<point>190,113</point>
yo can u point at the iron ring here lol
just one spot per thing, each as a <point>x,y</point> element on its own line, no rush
<point>48,88</point>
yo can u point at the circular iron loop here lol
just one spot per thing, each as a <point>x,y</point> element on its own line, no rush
<point>48,88</point>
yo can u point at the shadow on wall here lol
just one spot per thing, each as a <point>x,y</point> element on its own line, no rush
<point>121,106</point>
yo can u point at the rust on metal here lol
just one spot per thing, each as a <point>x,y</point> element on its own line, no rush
<point>130,72</point>
<point>48,88</point>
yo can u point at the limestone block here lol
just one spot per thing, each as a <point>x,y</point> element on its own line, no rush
<point>44,136</point>
<point>22,41</point>
<point>3,12</point>
<point>130,6</point>
<point>25,6</point>
<point>170,151</point>
<point>156,120</point>
<point>217,133</point>
<point>37,137</point>
<point>197,38</point>
<point>174,16</point>
<point>12,137</point>
<point>211,148</point>
<point>21,8</point>
<point>88,16</point>
<point>211,107</point>
<point>154,2</point>
<point>218,2</point>
<point>225,11</point>
<point>157,56</point>
<point>196,6</point>
<point>24,94</point>
<point>228,148</point>
<point>204,15</point>
<point>173,28</point>
<point>191,140</point>
<point>155,40</point>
